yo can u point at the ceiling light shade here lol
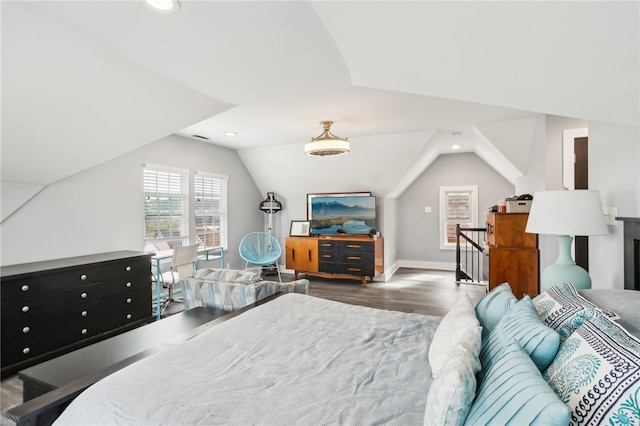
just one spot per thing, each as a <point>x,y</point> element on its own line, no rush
<point>165,6</point>
<point>565,214</point>
<point>327,144</point>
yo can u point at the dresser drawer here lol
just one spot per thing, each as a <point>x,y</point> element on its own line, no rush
<point>124,285</point>
<point>124,301</point>
<point>22,309</point>
<point>33,325</point>
<point>82,313</point>
<point>81,294</point>
<point>355,247</point>
<point>125,268</point>
<point>111,320</point>
<point>82,330</point>
<point>22,348</point>
<point>361,269</point>
<point>33,285</point>
<point>328,267</point>
<point>326,246</point>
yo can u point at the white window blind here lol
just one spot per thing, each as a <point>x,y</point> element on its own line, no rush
<point>211,209</point>
<point>166,213</point>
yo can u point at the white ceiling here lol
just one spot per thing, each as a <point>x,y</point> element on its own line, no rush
<point>101,78</point>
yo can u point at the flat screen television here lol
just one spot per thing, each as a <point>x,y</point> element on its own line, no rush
<point>351,213</point>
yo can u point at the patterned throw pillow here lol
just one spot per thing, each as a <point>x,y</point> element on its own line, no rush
<point>564,310</point>
<point>493,306</point>
<point>597,373</point>
<point>247,277</point>
<point>458,325</point>
<point>522,324</point>
<point>452,392</point>
<point>514,393</point>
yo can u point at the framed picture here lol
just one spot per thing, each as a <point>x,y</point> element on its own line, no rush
<point>300,228</point>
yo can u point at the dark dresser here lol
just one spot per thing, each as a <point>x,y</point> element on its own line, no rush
<point>52,307</point>
<point>335,257</point>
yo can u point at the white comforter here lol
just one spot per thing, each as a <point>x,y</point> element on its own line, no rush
<point>294,360</point>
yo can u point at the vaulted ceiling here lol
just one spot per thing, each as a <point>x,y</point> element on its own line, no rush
<point>401,80</point>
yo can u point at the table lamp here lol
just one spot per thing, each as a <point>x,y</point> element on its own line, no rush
<point>565,214</point>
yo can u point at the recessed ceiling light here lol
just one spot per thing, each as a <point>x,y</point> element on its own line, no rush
<point>164,6</point>
<point>456,146</point>
<point>230,133</point>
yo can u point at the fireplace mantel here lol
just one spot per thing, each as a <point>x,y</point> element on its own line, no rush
<point>631,252</point>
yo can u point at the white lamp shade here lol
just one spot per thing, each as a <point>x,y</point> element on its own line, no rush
<point>567,212</point>
<point>326,147</point>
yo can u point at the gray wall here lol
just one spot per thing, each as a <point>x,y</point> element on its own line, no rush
<point>417,233</point>
<point>102,209</point>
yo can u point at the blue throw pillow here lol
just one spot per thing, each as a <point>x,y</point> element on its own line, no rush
<point>491,308</point>
<point>522,324</point>
<point>513,392</point>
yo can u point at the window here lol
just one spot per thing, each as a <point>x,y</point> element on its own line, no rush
<point>211,209</point>
<point>458,204</point>
<point>166,211</point>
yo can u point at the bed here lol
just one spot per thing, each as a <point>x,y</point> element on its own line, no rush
<point>305,360</point>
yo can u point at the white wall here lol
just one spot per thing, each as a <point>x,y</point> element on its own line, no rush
<point>418,237</point>
<point>102,209</point>
<point>614,170</point>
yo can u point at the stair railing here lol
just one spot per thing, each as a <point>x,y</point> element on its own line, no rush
<point>470,268</point>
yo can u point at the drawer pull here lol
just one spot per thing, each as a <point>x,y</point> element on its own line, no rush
<point>83,277</point>
<point>129,300</point>
<point>128,284</point>
<point>354,258</point>
<point>84,313</point>
<point>128,268</point>
<point>25,330</point>
<point>25,308</point>
<point>26,350</point>
<point>354,246</point>
<point>84,331</point>
<point>128,316</point>
<point>355,269</point>
<point>83,295</point>
<point>24,288</point>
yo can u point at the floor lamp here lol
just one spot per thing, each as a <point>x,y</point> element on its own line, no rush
<point>565,214</point>
<point>270,206</point>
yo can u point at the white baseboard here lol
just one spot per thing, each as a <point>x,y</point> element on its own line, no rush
<point>418,264</point>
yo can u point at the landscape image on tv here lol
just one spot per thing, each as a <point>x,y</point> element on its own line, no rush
<point>342,214</point>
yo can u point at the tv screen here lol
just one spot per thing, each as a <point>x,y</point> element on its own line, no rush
<point>342,214</point>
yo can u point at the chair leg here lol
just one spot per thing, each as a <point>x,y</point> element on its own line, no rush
<point>278,269</point>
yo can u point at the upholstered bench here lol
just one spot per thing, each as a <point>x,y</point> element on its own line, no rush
<point>231,289</point>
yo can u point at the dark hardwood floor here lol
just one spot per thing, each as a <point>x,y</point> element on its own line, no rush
<point>421,291</point>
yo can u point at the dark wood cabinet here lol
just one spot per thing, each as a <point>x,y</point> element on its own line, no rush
<point>335,257</point>
<point>52,307</point>
<point>513,254</point>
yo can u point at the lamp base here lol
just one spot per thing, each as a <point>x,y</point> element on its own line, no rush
<point>565,269</point>
<point>558,274</point>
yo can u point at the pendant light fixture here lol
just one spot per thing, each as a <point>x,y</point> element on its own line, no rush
<point>327,144</point>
